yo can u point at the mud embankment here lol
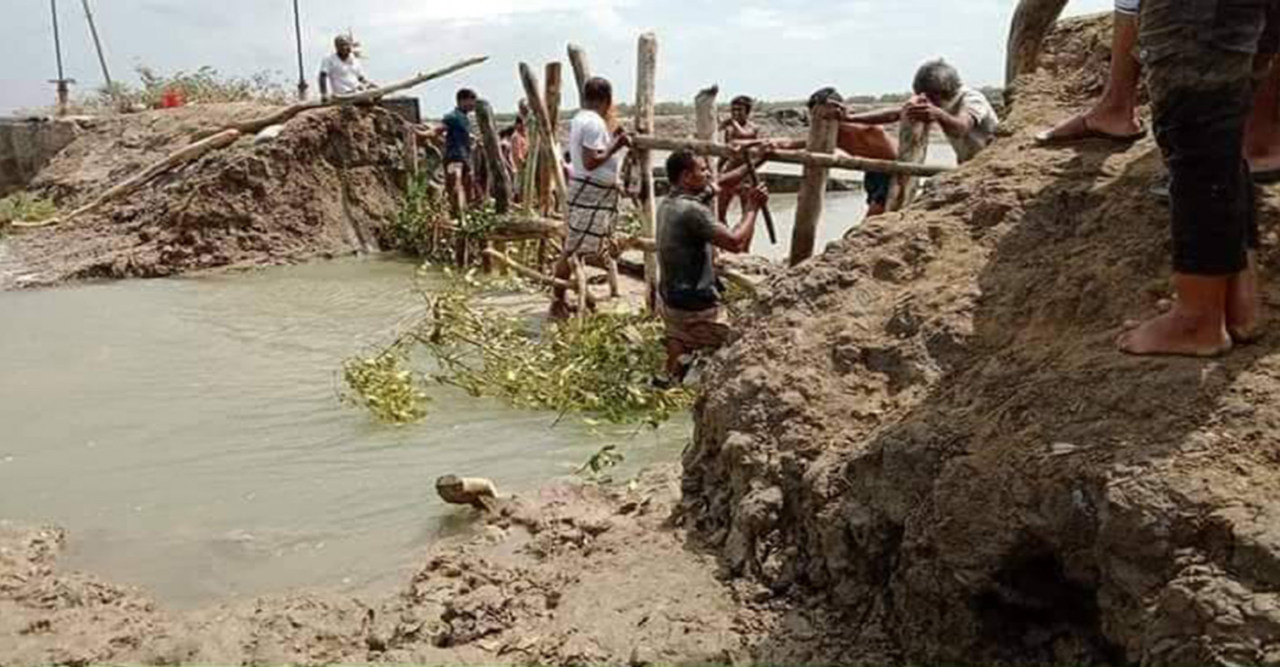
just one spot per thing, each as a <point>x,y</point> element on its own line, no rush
<point>327,185</point>
<point>929,426</point>
<point>576,576</point>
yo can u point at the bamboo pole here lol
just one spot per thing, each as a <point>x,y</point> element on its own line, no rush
<point>824,125</point>
<point>646,75</point>
<point>137,181</point>
<point>1031,23</point>
<point>913,147</point>
<point>806,158</point>
<point>258,124</point>
<point>552,99</point>
<point>581,71</point>
<point>551,147</point>
<point>499,177</point>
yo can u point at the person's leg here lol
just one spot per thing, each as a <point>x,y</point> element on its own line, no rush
<point>675,350</point>
<point>1115,114</point>
<point>1262,133</point>
<point>1200,99</point>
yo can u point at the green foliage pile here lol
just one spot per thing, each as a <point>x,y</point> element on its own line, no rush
<point>602,365</point>
<point>383,384</point>
<point>24,206</point>
<point>423,207</point>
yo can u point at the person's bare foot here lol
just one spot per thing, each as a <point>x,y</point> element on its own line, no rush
<point>1243,304</point>
<point>1176,333</point>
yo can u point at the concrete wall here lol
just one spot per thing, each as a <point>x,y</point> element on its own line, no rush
<point>27,145</point>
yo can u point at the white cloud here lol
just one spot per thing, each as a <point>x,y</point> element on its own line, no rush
<point>758,18</point>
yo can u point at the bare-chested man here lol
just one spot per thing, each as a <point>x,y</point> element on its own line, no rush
<point>859,140</point>
<point>738,131</point>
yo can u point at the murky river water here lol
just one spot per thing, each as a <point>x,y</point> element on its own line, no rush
<point>187,433</point>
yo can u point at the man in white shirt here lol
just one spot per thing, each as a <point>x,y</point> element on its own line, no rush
<point>593,189</point>
<point>341,70</point>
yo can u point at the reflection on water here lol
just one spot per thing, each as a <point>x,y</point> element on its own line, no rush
<point>188,434</point>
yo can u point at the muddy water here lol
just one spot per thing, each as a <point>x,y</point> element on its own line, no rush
<point>187,433</point>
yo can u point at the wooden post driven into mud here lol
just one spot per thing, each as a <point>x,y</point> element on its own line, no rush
<point>552,86</point>
<point>705,121</point>
<point>410,137</point>
<point>1031,23</point>
<point>813,189</point>
<point>913,147</point>
<point>830,161</point>
<point>646,74</point>
<point>498,174</point>
<point>581,70</point>
<point>551,147</point>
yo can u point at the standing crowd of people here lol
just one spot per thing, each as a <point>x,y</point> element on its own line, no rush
<point>1214,96</point>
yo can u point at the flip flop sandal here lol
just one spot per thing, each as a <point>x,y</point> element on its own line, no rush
<point>1086,133</point>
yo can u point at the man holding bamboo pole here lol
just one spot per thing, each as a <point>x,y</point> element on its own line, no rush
<point>595,141</point>
<point>689,291</point>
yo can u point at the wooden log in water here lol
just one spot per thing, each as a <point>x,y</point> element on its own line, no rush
<point>1031,23</point>
<point>537,276</point>
<point>913,148</point>
<point>499,177</point>
<point>649,142</point>
<point>646,77</point>
<point>824,126</point>
<point>477,492</point>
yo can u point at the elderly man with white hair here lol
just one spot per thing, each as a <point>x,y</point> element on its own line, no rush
<point>341,70</point>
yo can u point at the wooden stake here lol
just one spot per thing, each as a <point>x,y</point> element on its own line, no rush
<point>706,122</point>
<point>410,138</point>
<point>1031,23</point>
<point>913,147</point>
<point>791,157</point>
<point>646,75</point>
<point>824,125</point>
<point>553,85</point>
<point>551,147</point>
<point>581,71</point>
<point>499,177</point>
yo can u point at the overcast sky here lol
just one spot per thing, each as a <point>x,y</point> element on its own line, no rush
<point>780,49</point>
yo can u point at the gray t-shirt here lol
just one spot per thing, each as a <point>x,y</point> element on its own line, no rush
<point>685,229</point>
<point>985,123</point>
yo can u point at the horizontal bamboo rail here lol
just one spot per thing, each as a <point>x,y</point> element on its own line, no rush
<point>653,143</point>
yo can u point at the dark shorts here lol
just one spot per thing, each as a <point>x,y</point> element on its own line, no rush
<point>1198,55</point>
<point>877,186</point>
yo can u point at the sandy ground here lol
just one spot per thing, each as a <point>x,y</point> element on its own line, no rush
<point>578,575</point>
